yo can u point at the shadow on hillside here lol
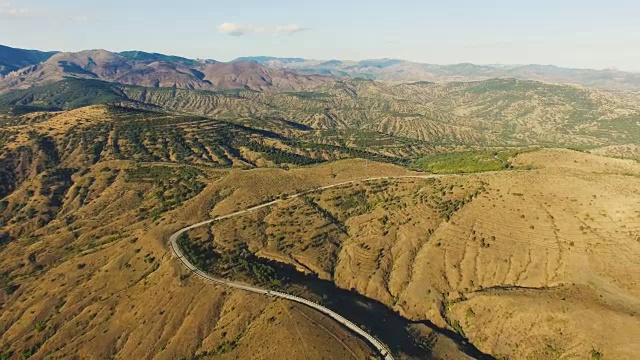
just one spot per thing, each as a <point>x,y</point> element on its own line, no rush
<point>373,316</point>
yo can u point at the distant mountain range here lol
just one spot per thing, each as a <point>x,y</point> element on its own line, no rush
<point>147,69</point>
<point>21,69</point>
<point>407,71</point>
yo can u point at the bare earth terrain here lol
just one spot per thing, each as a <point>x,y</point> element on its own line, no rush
<point>536,259</point>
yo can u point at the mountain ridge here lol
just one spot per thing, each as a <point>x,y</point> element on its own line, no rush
<point>158,70</point>
<point>12,59</point>
<point>383,69</point>
<point>397,70</point>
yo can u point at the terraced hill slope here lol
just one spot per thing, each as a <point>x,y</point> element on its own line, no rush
<point>90,195</point>
<point>486,113</point>
<point>493,112</point>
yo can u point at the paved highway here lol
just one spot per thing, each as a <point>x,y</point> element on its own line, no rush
<point>381,348</point>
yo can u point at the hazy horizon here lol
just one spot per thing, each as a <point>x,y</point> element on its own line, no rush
<point>310,59</point>
<point>583,35</point>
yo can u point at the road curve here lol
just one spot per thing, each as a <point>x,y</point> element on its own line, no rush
<point>173,240</point>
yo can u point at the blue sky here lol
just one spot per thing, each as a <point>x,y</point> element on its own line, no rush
<point>586,34</point>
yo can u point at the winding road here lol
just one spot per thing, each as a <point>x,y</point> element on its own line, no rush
<point>173,239</point>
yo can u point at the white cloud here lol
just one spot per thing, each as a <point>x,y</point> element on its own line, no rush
<point>15,11</point>
<point>233,29</point>
<point>245,29</point>
<point>7,9</point>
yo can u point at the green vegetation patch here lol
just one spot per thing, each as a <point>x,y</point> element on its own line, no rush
<point>595,354</point>
<point>62,95</point>
<point>355,203</point>
<point>458,328</point>
<point>281,157</point>
<point>465,162</point>
<point>238,262</point>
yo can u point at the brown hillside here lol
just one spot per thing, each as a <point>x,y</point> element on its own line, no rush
<point>548,254</point>
<point>534,262</point>
<point>108,66</point>
<point>250,75</point>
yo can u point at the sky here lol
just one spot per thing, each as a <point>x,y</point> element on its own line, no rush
<point>580,34</point>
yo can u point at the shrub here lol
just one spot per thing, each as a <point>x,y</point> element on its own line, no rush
<point>11,288</point>
<point>595,354</point>
<point>4,237</point>
<point>458,328</point>
<point>470,313</point>
<point>40,325</point>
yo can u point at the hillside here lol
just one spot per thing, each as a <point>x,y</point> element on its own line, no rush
<point>62,95</point>
<point>96,236</point>
<point>157,70</point>
<point>89,197</point>
<point>12,59</point>
<point>467,252</point>
<point>98,133</point>
<point>446,262</point>
<point>486,113</point>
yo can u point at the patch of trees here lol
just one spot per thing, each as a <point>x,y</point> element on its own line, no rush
<point>238,262</point>
<point>200,254</point>
<point>281,157</point>
<point>357,153</point>
<point>172,185</point>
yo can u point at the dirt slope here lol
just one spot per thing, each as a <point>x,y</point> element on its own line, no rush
<point>535,264</point>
